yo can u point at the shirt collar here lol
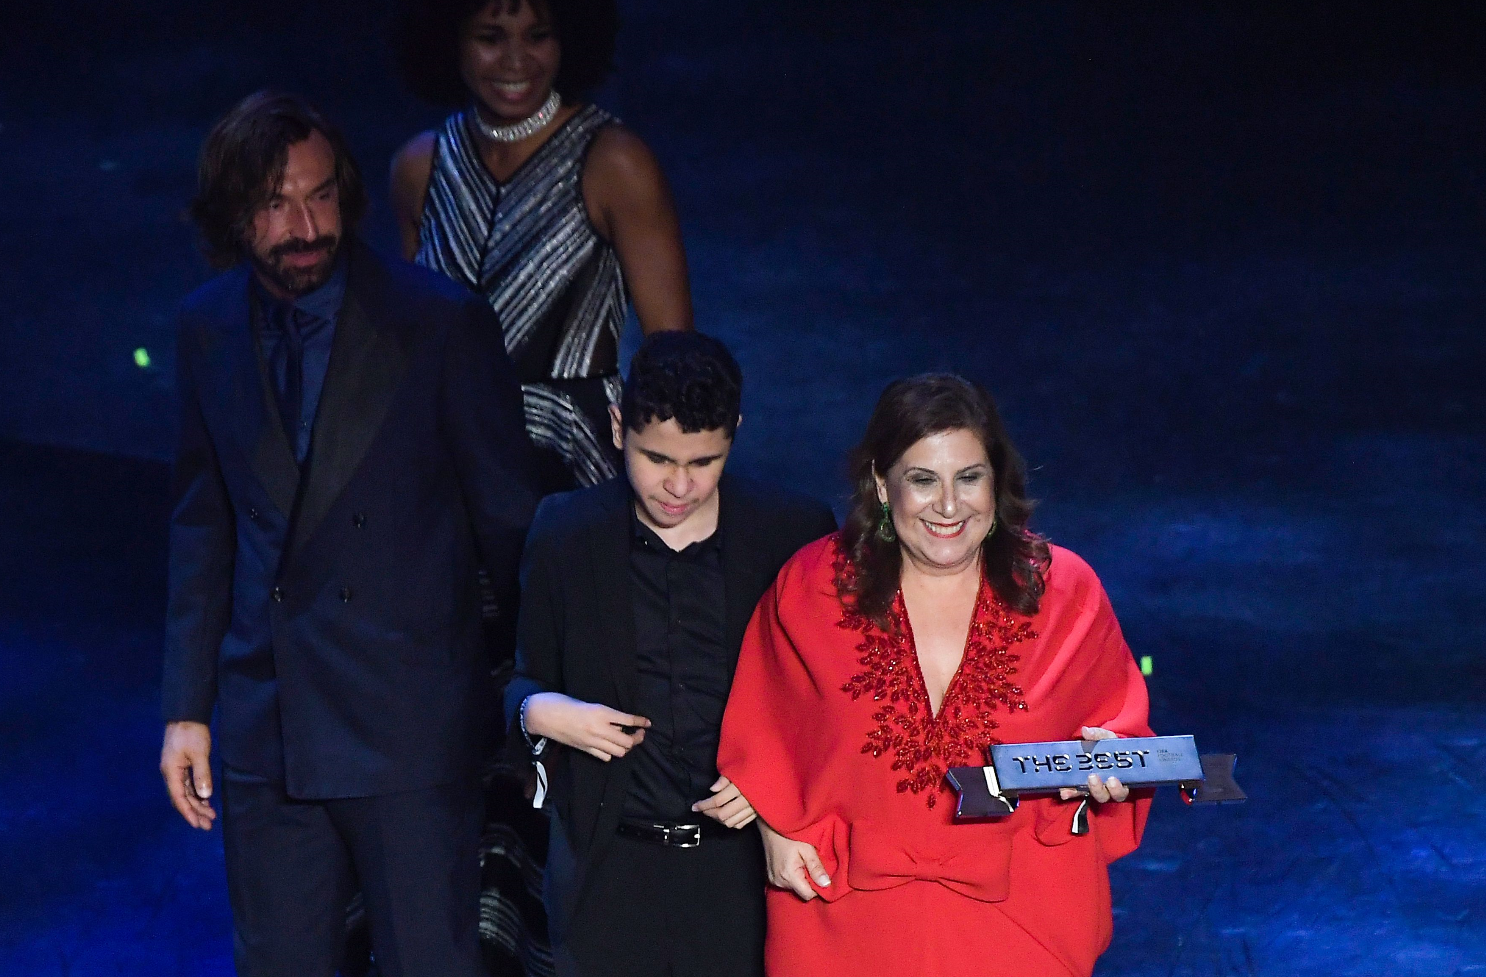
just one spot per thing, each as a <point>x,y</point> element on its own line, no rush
<point>325,301</point>
<point>643,537</point>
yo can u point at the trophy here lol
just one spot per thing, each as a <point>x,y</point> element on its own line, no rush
<point>1045,768</point>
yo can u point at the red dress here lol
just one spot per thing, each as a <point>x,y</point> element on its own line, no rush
<point>828,732</point>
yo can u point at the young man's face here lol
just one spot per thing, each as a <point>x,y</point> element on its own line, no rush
<point>673,474</point>
<point>295,235</point>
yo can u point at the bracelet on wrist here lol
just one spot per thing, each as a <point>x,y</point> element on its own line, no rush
<point>536,746</point>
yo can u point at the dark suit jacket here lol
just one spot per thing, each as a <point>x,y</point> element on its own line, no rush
<point>576,635</point>
<point>333,618</point>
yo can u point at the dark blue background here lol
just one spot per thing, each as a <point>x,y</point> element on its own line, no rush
<point>1222,264</point>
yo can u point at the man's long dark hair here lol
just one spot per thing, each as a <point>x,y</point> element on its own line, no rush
<point>242,165</point>
<point>1014,559</point>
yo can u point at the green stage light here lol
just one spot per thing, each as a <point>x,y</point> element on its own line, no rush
<point>1146,665</point>
<point>142,358</point>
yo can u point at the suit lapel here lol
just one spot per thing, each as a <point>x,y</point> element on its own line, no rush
<point>609,555</point>
<point>367,363</point>
<point>259,430</point>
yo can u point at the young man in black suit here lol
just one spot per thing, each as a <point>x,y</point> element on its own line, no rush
<point>352,449</point>
<point>635,596</point>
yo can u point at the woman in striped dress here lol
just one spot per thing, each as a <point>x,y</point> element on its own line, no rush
<point>542,203</point>
<point>560,217</point>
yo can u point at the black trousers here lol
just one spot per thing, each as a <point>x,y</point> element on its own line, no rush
<point>293,865</point>
<point>653,911</point>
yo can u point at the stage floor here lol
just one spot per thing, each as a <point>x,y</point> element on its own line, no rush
<point>1221,265</point>
<point>1331,639</point>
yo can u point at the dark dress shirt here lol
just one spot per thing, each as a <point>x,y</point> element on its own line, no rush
<point>684,673</point>
<point>313,316</point>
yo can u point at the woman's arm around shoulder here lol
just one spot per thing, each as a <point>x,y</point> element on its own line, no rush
<point>631,206</point>
<point>412,167</point>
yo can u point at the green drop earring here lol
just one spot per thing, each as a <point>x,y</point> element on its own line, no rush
<point>885,530</point>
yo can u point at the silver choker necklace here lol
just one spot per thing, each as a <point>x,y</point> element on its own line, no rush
<point>520,130</point>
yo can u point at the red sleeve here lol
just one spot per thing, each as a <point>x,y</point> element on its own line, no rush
<point>1093,680</point>
<point>755,751</point>
<point>775,745</point>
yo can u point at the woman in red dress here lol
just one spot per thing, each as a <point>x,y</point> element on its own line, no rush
<point>933,625</point>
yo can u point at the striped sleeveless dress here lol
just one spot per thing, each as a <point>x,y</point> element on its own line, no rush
<point>527,245</point>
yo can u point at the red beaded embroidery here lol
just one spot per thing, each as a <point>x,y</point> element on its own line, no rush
<point>921,744</point>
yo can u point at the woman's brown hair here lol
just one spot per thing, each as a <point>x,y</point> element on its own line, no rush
<point>1014,559</point>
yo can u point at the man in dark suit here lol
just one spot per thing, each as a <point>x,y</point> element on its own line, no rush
<point>635,596</point>
<point>352,449</point>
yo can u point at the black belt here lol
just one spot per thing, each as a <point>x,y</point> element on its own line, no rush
<point>674,835</point>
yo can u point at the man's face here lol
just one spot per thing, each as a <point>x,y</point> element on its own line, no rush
<point>294,236</point>
<point>673,474</point>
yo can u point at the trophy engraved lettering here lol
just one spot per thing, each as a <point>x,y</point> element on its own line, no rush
<point>1045,768</point>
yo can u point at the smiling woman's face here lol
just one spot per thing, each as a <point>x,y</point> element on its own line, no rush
<point>508,57</point>
<point>942,493</point>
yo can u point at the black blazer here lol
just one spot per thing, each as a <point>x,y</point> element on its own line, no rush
<point>333,618</point>
<point>576,633</point>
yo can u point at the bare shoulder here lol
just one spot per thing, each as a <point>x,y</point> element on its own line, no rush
<point>416,154</point>
<point>619,159</point>
<point>412,165</point>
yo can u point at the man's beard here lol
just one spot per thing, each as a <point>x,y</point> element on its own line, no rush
<point>298,281</point>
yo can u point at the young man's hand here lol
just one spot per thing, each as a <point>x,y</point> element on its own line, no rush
<point>588,726</point>
<point>727,805</point>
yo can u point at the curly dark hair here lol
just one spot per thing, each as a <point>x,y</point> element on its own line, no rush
<point>686,375</point>
<point>1014,559</point>
<point>426,44</point>
<point>242,164</point>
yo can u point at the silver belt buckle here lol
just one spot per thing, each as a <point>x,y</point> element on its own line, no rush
<point>691,833</point>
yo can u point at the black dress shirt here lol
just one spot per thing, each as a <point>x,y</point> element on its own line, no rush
<point>685,673</point>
